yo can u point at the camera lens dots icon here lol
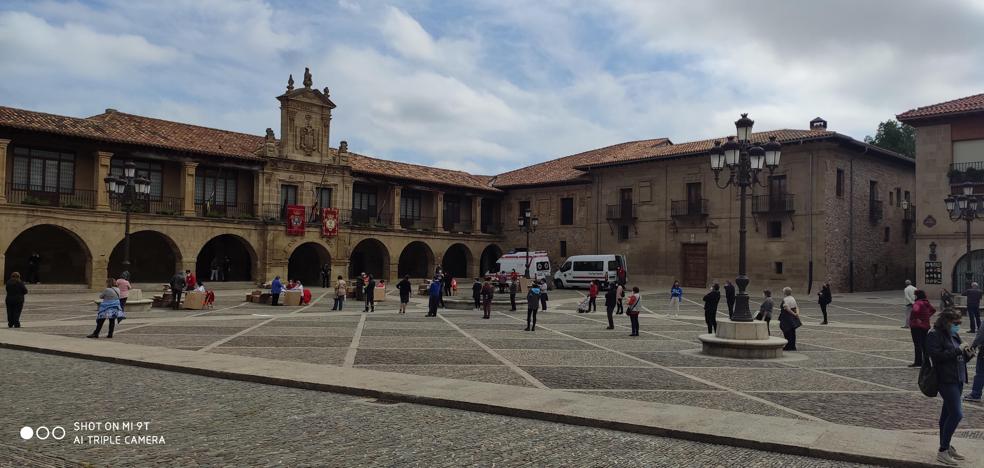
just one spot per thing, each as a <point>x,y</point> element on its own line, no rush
<point>27,433</point>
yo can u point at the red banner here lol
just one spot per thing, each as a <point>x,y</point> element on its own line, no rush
<point>295,220</point>
<point>329,222</point>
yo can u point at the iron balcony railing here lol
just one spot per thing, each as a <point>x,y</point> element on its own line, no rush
<point>461,225</point>
<point>909,213</point>
<point>166,206</point>
<point>966,172</point>
<point>773,203</point>
<point>39,196</point>
<point>492,228</point>
<point>423,223</point>
<point>365,218</point>
<point>240,210</point>
<point>621,212</point>
<point>684,208</point>
<point>876,210</point>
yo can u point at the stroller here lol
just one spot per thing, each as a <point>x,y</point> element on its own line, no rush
<point>583,306</point>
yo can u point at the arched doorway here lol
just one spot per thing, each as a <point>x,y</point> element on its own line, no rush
<point>371,257</point>
<point>973,262</point>
<point>489,256</point>
<point>456,260</point>
<point>305,263</point>
<point>231,254</point>
<point>153,258</point>
<point>416,260</point>
<point>65,259</point>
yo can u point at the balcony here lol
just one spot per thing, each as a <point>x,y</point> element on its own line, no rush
<point>241,210</point>
<point>966,172</point>
<point>773,204</point>
<point>36,196</point>
<point>621,212</point>
<point>909,213</point>
<point>689,208</point>
<point>876,212</point>
<point>166,206</point>
<point>461,225</point>
<point>492,228</point>
<point>371,218</point>
<point>420,224</point>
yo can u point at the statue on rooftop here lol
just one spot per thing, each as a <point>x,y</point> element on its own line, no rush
<point>307,77</point>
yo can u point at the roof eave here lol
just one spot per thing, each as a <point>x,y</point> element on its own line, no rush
<point>918,120</point>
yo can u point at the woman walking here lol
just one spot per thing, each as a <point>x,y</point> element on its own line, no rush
<point>789,319</point>
<point>824,298</point>
<point>711,300</point>
<point>610,306</point>
<point>676,296</point>
<point>123,283</point>
<point>593,296</point>
<point>532,304</point>
<point>635,304</point>
<point>15,299</point>
<point>340,291</point>
<point>619,296</point>
<point>109,309</point>
<point>765,310</point>
<point>404,287</point>
<point>949,357</point>
<point>922,311</point>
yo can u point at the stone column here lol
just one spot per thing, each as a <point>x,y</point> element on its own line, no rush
<point>99,174</point>
<point>3,169</point>
<point>188,188</point>
<point>395,200</point>
<point>258,193</point>
<point>439,211</point>
<point>476,214</point>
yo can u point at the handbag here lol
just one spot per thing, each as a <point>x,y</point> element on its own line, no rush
<point>928,383</point>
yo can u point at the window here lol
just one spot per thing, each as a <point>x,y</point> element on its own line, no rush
<point>324,197</point>
<point>775,229</point>
<point>891,199</point>
<point>589,266</point>
<point>778,267</point>
<point>612,265</point>
<point>288,196</point>
<point>410,202</point>
<point>840,183</point>
<point>524,206</point>
<point>887,234</point>
<point>623,232</point>
<point>898,196</point>
<point>566,211</point>
<point>563,248</point>
<point>566,267</point>
<point>364,199</point>
<point>452,210</point>
<point>43,171</point>
<point>215,186</point>
<point>906,196</point>
<point>872,190</point>
<point>777,193</point>
<point>693,198</point>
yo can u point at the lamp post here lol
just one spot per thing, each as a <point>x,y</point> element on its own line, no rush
<point>127,188</point>
<point>527,223</point>
<point>963,207</point>
<point>744,161</point>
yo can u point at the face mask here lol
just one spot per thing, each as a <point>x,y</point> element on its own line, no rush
<point>955,329</point>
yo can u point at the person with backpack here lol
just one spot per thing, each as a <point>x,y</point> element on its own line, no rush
<point>532,304</point>
<point>635,304</point>
<point>676,296</point>
<point>948,356</point>
<point>711,300</point>
<point>919,323</point>
<point>824,298</point>
<point>593,296</point>
<point>610,302</point>
<point>488,291</point>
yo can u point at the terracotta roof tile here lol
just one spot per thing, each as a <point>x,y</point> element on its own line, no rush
<point>963,105</point>
<point>424,174</point>
<point>563,169</point>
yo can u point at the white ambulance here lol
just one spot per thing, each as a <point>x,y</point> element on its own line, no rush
<point>581,270</point>
<point>539,264</point>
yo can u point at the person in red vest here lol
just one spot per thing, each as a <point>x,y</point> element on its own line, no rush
<point>620,275</point>
<point>513,276</point>
<point>593,296</point>
<point>190,281</point>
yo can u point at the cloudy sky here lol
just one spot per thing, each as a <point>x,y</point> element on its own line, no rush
<point>491,85</point>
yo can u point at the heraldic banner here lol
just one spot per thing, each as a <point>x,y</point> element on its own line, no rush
<point>329,222</point>
<point>295,220</point>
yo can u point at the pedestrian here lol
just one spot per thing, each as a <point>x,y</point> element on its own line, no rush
<point>487,293</point>
<point>440,280</point>
<point>593,296</point>
<point>434,295</point>
<point>190,281</point>
<point>676,296</point>
<point>360,287</point>
<point>765,310</point>
<point>919,324</point>
<point>978,386</point>
<point>177,286</point>
<point>711,300</point>
<point>543,295</point>
<point>15,299</point>
<point>513,276</point>
<point>610,301</point>
<point>325,275</point>
<point>789,319</point>
<point>123,283</point>
<point>910,297</point>
<point>215,269</point>
<point>619,296</point>
<point>946,299</point>
<point>949,357</point>
<point>34,268</point>
<point>341,289</point>
<point>729,296</point>
<point>513,289</point>
<point>532,304</point>
<point>824,297</point>
<point>404,287</point>
<point>477,293</point>
<point>635,304</point>
<point>620,275</point>
<point>109,308</point>
<point>276,287</point>
<point>974,306</point>
<point>226,268</point>
<point>446,280</point>
<point>370,294</point>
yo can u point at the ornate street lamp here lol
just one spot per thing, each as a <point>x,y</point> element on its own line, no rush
<point>527,223</point>
<point>744,161</point>
<point>964,207</point>
<point>127,189</point>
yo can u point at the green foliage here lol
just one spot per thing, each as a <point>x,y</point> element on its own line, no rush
<point>29,200</point>
<point>894,136</point>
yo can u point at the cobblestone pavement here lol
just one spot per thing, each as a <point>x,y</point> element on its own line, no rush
<point>214,422</point>
<point>852,371</point>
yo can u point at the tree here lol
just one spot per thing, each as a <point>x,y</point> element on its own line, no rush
<point>895,136</point>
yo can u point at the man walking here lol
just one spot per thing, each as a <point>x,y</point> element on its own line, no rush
<point>177,285</point>
<point>370,294</point>
<point>513,289</point>
<point>610,306</point>
<point>910,297</point>
<point>477,293</point>
<point>325,275</point>
<point>974,306</point>
<point>729,297</point>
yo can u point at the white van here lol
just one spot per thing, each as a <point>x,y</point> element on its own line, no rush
<point>581,270</point>
<point>539,264</point>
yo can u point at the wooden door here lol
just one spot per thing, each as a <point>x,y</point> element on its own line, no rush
<point>694,260</point>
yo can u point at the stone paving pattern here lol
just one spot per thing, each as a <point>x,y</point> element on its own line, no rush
<point>852,371</point>
<point>214,422</point>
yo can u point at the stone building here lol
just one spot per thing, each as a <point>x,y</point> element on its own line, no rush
<point>217,194</point>
<point>949,153</point>
<point>833,210</point>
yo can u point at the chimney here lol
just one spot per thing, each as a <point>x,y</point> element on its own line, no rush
<point>818,124</point>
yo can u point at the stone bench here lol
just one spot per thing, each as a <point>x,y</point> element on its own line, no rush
<point>134,302</point>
